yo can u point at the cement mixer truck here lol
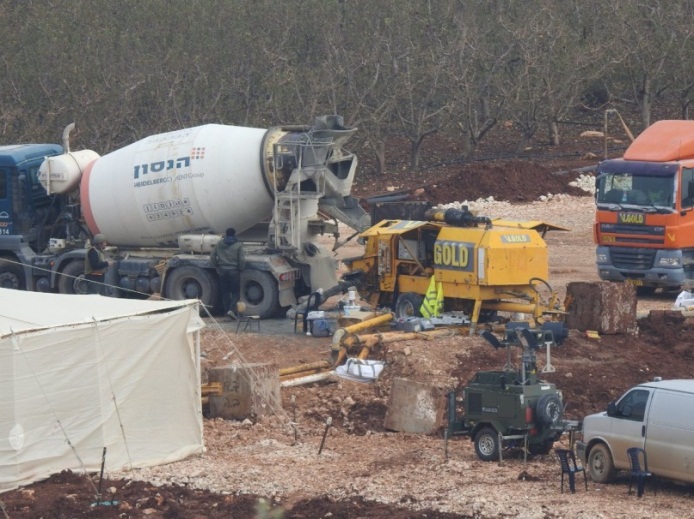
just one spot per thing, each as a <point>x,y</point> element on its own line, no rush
<point>163,202</point>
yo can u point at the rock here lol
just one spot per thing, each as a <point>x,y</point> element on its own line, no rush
<point>608,308</point>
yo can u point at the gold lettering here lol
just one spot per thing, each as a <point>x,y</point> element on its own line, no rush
<point>451,254</point>
<point>631,218</point>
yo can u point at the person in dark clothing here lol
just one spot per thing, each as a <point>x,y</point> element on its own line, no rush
<point>229,259</point>
<point>312,304</point>
<point>96,265</point>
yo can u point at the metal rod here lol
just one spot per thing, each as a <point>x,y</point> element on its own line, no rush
<point>328,423</point>
<point>445,444</point>
<point>296,439</point>
<point>101,476</point>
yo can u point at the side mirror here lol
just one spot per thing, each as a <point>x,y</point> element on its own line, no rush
<point>611,409</point>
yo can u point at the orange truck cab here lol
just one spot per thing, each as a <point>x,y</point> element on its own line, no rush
<point>644,222</point>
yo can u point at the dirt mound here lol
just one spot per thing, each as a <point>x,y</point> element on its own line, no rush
<point>68,495</point>
<point>513,181</point>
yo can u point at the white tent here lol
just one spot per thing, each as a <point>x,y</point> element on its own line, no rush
<point>82,373</point>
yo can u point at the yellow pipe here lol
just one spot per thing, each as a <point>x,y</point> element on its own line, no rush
<point>300,374</point>
<point>369,323</point>
<point>304,367</point>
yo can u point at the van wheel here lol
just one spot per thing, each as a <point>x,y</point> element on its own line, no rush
<point>487,444</point>
<point>408,305</point>
<point>600,464</point>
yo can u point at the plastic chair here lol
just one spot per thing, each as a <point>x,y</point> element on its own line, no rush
<point>637,473</point>
<point>570,467</point>
<point>247,320</point>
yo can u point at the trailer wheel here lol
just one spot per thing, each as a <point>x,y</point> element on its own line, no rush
<point>259,292</point>
<point>190,282</point>
<point>408,305</point>
<point>548,410</point>
<point>71,280</point>
<point>600,464</point>
<point>11,275</point>
<point>487,444</point>
<point>541,448</point>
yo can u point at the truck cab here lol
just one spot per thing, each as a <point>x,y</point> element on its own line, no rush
<point>644,224</point>
<point>26,210</point>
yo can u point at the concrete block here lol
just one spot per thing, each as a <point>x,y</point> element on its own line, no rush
<point>605,307</point>
<point>414,407</point>
<point>248,391</point>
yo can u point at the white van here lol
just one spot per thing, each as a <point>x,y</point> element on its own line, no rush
<point>656,416</point>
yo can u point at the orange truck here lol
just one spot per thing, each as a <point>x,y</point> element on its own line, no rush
<point>644,222</point>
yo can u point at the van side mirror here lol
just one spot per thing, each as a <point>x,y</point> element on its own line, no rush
<point>611,409</point>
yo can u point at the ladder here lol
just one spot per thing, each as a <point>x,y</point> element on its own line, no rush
<point>286,225</point>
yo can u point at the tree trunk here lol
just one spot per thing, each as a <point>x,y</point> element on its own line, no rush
<point>469,145</point>
<point>380,152</point>
<point>645,97</point>
<point>414,153</point>
<point>553,133</point>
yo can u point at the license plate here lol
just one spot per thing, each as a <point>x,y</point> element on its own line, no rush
<point>635,282</point>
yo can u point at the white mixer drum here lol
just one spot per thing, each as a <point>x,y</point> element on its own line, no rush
<point>193,181</point>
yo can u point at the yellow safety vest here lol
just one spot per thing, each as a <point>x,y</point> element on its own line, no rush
<point>432,306</point>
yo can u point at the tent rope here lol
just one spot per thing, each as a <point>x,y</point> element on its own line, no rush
<point>253,380</point>
<point>17,346</point>
<point>113,393</point>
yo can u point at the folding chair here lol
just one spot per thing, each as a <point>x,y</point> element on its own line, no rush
<point>637,473</point>
<point>247,320</point>
<point>570,467</point>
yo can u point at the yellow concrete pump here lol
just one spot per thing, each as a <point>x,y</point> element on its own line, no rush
<point>481,266</point>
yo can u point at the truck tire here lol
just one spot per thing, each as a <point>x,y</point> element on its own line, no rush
<point>259,292</point>
<point>600,464</point>
<point>408,305</point>
<point>645,291</point>
<point>487,444</point>
<point>11,275</point>
<point>71,280</point>
<point>190,282</point>
<point>548,410</point>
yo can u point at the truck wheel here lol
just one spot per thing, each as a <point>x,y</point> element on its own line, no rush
<point>191,282</point>
<point>549,410</point>
<point>71,280</point>
<point>259,292</point>
<point>408,305</point>
<point>487,444</point>
<point>600,464</point>
<point>11,275</point>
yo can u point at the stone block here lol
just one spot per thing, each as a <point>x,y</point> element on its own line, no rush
<point>605,307</point>
<point>248,391</point>
<point>414,407</point>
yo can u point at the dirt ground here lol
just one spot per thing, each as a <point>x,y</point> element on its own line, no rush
<point>265,468</point>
